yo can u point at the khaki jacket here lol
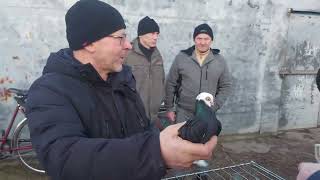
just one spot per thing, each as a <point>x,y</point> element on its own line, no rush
<point>149,76</point>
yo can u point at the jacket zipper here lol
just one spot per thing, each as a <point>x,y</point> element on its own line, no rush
<point>140,119</point>
<point>207,73</point>
<point>123,129</point>
<point>200,80</point>
<point>108,131</point>
<point>137,112</point>
<point>149,80</point>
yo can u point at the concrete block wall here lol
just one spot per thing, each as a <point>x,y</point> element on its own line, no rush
<point>256,37</point>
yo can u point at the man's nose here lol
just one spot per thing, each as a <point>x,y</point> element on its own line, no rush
<point>155,36</point>
<point>127,45</point>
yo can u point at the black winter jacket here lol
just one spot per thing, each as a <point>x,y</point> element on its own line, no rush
<point>85,128</point>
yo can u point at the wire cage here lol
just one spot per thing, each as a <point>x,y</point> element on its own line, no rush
<point>245,171</point>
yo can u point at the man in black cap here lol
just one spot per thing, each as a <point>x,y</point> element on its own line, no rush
<point>195,70</point>
<point>85,117</point>
<point>147,66</point>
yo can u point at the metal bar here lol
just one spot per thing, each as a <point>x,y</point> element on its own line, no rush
<point>210,176</point>
<point>237,173</point>
<point>243,168</point>
<point>257,171</point>
<point>217,169</point>
<point>297,72</point>
<point>268,171</point>
<point>284,73</point>
<point>199,176</point>
<point>28,147</point>
<point>5,150</point>
<point>310,12</point>
<point>218,174</point>
<point>245,171</point>
<point>22,109</point>
<point>206,171</point>
<point>226,172</point>
<point>4,138</point>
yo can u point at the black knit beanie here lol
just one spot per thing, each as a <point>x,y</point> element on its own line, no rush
<point>147,25</point>
<point>203,28</point>
<point>90,20</point>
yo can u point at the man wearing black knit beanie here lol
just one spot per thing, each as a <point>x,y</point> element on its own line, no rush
<point>85,117</point>
<point>147,66</point>
<point>197,69</point>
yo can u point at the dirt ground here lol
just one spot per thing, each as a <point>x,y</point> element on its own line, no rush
<point>279,153</point>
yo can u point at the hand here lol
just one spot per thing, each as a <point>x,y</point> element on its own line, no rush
<point>307,169</point>
<point>179,153</point>
<point>171,116</point>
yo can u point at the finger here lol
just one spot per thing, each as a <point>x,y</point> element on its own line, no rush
<point>201,151</point>
<point>170,117</point>
<point>212,143</point>
<point>172,130</point>
<point>176,127</point>
<point>196,150</point>
<point>173,116</point>
<point>179,125</point>
<point>183,165</point>
<point>188,164</point>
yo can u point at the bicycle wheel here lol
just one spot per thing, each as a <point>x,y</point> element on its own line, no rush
<point>23,147</point>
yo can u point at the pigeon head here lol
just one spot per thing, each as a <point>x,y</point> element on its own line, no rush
<point>206,97</point>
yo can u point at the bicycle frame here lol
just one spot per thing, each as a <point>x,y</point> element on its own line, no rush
<point>5,139</point>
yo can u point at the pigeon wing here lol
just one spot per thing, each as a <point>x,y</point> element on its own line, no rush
<point>193,130</point>
<point>205,113</point>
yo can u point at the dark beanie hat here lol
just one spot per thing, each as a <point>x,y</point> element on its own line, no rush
<point>203,28</point>
<point>90,20</point>
<point>147,25</point>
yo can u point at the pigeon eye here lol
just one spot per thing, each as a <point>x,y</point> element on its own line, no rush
<point>208,99</point>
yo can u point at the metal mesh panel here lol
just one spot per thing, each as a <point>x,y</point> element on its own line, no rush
<point>251,170</point>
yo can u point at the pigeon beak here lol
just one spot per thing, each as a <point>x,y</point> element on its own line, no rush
<point>212,103</point>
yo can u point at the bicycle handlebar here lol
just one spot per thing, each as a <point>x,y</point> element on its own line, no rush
<point>18,92</point>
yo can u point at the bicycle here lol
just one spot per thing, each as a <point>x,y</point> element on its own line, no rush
<point>20,144</point>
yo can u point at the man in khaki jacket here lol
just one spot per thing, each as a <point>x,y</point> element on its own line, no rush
<point>147,66</point>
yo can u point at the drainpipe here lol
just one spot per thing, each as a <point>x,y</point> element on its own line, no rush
<point>284,73</point>
<point>306,12</point>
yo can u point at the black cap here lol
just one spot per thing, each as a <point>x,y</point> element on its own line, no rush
<point>203,29</point>
<point>90,20</point>
<point>147,25</point>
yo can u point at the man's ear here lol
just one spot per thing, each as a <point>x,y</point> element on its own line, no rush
<point>91,47</point>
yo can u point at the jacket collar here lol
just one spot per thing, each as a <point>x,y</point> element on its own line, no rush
<point>135,48</point>
<point>63,62</point>
<point>190,50</point>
